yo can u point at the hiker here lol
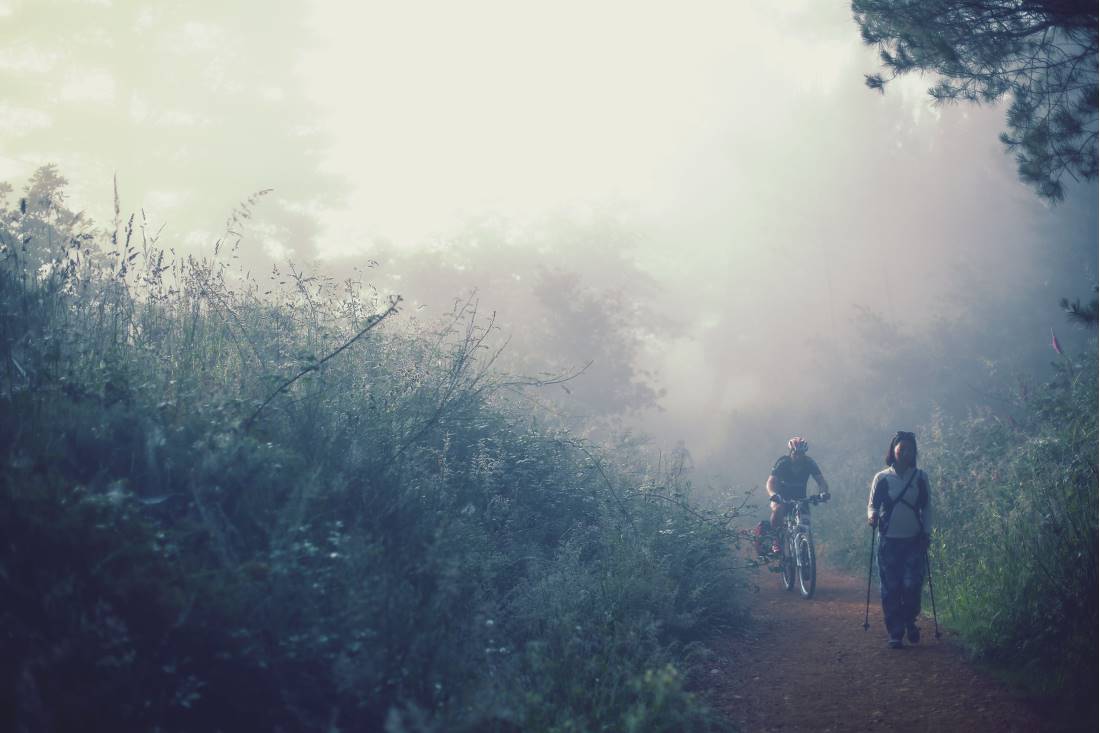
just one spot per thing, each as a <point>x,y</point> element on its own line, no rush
<point>900,507</point>
<point>788,480</point>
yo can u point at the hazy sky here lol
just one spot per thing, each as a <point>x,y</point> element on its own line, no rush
<point>440,109</point>
<point>767,194</point>
<point>431,112</point>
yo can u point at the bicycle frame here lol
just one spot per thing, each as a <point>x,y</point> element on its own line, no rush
<point>799,563</point>
<point>798,517</point>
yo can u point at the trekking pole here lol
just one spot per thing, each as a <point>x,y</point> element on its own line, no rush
<point>870,569</point>
<point>931,593</point>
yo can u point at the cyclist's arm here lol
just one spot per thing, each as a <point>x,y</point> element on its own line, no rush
<point>822,484</point>
<point>771,486</point>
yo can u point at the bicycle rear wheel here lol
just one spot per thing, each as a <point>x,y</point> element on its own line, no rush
<point>807,565</point>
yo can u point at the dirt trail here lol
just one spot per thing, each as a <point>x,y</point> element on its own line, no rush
<point>809,666</point>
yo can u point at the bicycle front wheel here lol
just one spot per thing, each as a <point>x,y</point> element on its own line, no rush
<point>788,570</point>
<point>807,565</point>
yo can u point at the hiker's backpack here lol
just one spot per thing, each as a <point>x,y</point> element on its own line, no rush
<point>882,499</point>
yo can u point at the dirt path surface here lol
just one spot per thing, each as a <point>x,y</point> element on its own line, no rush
<point>809,666</point>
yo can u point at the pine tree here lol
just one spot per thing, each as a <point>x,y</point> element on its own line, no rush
<point>1042,54</point>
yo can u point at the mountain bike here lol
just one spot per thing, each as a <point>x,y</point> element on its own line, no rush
<point>798,561</point>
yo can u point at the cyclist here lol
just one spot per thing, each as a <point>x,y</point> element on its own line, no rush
<point>900,506</point>
<point>788,480</point>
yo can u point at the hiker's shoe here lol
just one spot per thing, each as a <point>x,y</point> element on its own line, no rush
<point>895,643</point>
<point>912,633</point>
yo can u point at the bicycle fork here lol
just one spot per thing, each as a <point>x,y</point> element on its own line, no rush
<point>800,530</point>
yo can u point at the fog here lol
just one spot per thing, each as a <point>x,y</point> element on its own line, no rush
<point>703,210</point>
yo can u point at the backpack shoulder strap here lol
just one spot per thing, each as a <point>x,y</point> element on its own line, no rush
<point>922,497</point>
<point>888,504</point>
<point>905,490</point>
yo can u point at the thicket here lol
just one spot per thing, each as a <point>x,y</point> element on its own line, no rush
<point>231,503</point>
<point>1017,540</point>
<point>1014,552</point>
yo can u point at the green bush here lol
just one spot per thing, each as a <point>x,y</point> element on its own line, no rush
<point>1017,537</point>
<point>260,505</point>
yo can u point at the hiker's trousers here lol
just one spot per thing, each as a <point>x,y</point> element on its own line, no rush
<point>901,578</point>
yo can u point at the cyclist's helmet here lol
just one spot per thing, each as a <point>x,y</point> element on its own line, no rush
<point>797,445</point>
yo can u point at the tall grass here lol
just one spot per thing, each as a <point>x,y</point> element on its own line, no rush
<point>1017,539</point>
<point>280,504</point>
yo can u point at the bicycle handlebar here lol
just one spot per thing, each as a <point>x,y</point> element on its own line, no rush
<point>818,499</point>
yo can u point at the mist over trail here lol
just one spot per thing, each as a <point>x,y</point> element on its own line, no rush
<point>834,340</point>
<point>741,239</point>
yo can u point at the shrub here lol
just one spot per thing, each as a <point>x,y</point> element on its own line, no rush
<point>268,505</point>
<point>1017,535</point>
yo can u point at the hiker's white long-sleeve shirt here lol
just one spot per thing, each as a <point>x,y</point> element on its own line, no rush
<point>904,522</point>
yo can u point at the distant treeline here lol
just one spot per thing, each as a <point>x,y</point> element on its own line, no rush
<point>281,504</point>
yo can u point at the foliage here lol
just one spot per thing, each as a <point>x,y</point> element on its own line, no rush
<point>1086,316</point>
<point>245,504</point>
<point>1041,53</point>
<point>1017,537</point>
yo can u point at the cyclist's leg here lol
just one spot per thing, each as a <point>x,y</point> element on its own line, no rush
<point>778,535</point>
<point>778,512</point>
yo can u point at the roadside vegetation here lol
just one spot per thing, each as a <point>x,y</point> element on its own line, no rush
<point>1016,546</point>
<point>282,503</point>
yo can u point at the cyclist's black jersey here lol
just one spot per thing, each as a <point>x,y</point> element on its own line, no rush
<point>792,476</point>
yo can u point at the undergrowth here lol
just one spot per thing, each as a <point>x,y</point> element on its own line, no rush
<point>232,503</point>
<point>1017,541</point>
